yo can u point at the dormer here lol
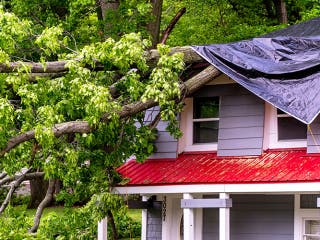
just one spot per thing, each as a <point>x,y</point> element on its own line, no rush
<point>223,117</point>
<point>250,108</point>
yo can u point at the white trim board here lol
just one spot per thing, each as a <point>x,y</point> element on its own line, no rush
<point>206,203</point>
<point>271,132</point>
<point>305,187</point>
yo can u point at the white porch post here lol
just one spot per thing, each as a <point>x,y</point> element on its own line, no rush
<point>188,220</point>
<point>224,220</point>
<point>103,229</point>
<point>144,219</point>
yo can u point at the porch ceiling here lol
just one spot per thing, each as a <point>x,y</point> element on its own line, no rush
<point>273,166</point>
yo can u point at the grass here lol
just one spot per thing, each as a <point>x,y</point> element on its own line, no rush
<point>135,214</point>
<point>59,210</point>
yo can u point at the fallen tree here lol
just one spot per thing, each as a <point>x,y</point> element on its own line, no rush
<point>152,57</point>
<point>84,127</point>
<point>187,88</point>
<point>75,120</point>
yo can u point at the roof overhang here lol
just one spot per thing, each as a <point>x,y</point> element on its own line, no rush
<point>275,171</point>
<point>262,188</point>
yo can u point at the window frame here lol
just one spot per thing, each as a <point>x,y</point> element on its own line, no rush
<point>303,214</point>
<point>188,131</point>
<point>285,115</point>
<point>201,120</point>
<point>271,132</point>
<point>304,234</point>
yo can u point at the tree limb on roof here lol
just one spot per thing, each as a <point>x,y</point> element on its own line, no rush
<point>188,87</point>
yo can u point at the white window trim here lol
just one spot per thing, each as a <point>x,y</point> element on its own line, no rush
<point>300,216</point>
<point>304,228</point>
<point>271,132</point>
<point>188,132</point>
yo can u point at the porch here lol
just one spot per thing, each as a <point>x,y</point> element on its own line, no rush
<point>272,196</point>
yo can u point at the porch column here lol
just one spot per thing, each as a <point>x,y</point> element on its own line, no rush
<point>144,219</point>
<point>188,220</point>
<point>224,220</point>
<point>103,229</point>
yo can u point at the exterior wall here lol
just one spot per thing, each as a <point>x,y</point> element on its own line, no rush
<point>254,217</point>
<point>210,222</point>
<point>154,224</point>
<point>241,120</point>
<point>313,137</point>
<point>166,145</point>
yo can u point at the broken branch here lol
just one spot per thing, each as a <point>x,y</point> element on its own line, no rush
<point>152,56</point>
<point>171,25</point>
<point>13,187</point>
<point>187,88</point>
<point>28,176</point>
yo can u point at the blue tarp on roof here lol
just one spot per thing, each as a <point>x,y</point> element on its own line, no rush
<point>284,71</point>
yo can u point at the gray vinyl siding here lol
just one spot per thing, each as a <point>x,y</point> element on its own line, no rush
<point>166,145</point>
<point>313,137</point>
<point>154,224</point>
<point>254,217</point>
<point>241,125</point>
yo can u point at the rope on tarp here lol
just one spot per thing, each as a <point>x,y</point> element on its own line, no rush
<point>313,138</point>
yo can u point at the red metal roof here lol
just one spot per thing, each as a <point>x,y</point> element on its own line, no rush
<point>201,168</point>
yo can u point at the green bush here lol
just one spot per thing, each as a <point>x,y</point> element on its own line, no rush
<point>81,224</point>
<point>127,227</point>
<point>72,223</point>
<point>76,224</point>
<point>20,200</point>
<point>14,225</point>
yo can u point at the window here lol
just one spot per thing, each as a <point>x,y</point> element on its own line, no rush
<point>282,130</point>
<point>290,128</point>
<point>199,123</point>
<point>307,218</point>
<point>311,229</point>
<point>309,201</point>
<point>205,120</point>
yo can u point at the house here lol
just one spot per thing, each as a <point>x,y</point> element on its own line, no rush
<point>248,164</point>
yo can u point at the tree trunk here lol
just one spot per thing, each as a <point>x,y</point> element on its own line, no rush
<point>38,189</point>
<point>44,203</point>
<point>268,6</point>
<point>281,11</point>
<point>104,5</point>
<point>58,186</point>
<point>99,10</point>
<point>113,225</point>
<point>154,26</point>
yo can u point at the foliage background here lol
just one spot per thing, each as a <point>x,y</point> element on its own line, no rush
<point>71,30</point>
